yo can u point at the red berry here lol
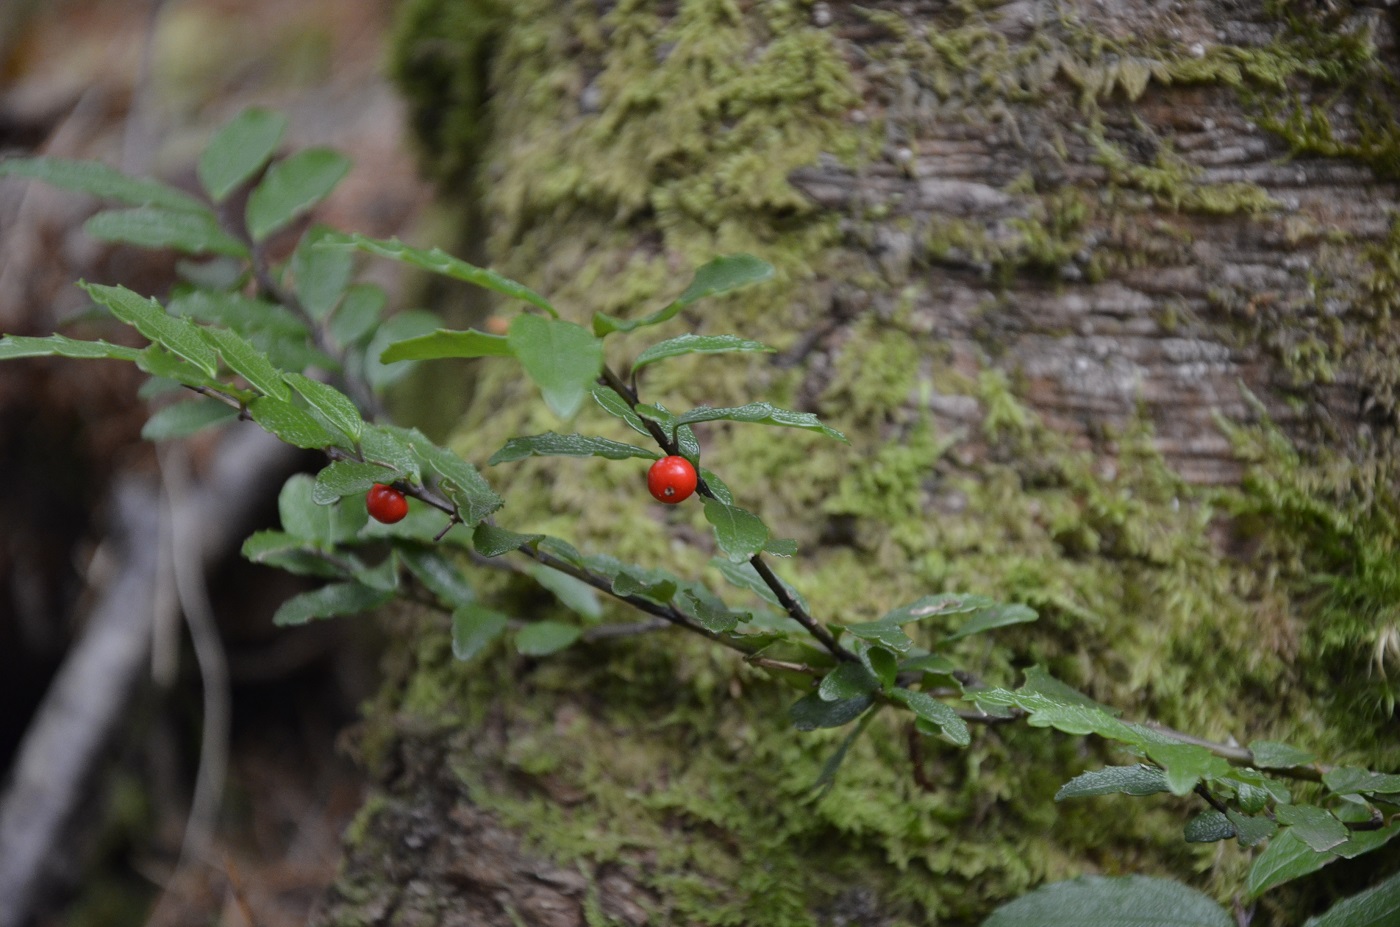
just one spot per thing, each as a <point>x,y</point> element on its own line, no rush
<point>671,480</point>
<point>386,504</point>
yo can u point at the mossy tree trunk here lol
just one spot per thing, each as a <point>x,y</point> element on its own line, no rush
<point>1102,294</point>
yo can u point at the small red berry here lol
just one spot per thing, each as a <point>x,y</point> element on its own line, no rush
<point>671,480</point>
<point>386,504</point>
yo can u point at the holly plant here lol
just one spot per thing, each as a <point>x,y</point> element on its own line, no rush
<point>302,351</point>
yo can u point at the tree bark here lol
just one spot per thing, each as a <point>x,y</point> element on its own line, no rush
<point>1102,294</point>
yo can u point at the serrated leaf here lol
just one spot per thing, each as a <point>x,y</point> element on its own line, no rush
<point>439,573</point>
<point>239,313</point>
<point>383,444</point>
<point>1353,780</point>
<point>1313,825</point>
<point>934,663</point>
<point>574,594</point>
<point>778,547</point>
<point>1377,906</point>
<point>100,180</point>
<point>348,478</point>
<point>320,274</point>
<point>1101,901</point>
<point>291,187</point>
<point>239,150</point>
<point>656,585</point>
<point>761,413</point>
<point>440,262</point>
<point>329,602</point>
<point>1115,780</point>
<point>330,402</point>
<point>1071,717</point>
<point>248,362</point>
<point>463,484</point>
<point>183,419</point>
<point>358,314</point>
<point>847,681</point>
<point>563,550</point>
<point>1285,858</point>
<point>697,344</point>
<point>156,227</point>
<point>994,616</point>
<point>562,358</point>
<point>687,444</point>
<point>16,346</point>
<point>613,403</point>
<point>147,317</point>
<point>474,627</point>
<point>542,638</point>
<point>1270,754</point>
<point>944,718</point>
<point>550,444</point>
<point>444,343</point>
<point>322,525</point>
<point>1208,827</point>
<point>491,541</point>
<point>290,424</point>
<point>812,711</point>
<point>159,362</point>
<point>740,534</point>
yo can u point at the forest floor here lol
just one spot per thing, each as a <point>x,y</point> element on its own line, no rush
<point>142,85</point>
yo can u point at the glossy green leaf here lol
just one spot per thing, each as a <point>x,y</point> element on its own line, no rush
<point>463,483</point>
<point>882,633</point>
<point>491,541</point>
<point>239,313</point>
<point>1270,754</point>
<point>159,362</point>
<point>847,681</point>
<point>440,574</point>
<point>15,346</point>
<point>291,187</point>
<point>1353,780</point>
<point>884,663</point>
<point>943,717</point>
<point>1378,906</point>
<point>1101,901</point>
<point>323,525</point>
<point>440,262</point>
<point>697,344</point>
<point>934,663</point>
<point>156,227</point>
<point>613,403</point>
<point>474,627</point>
<point>574,594</point>
<point>178,336</point>
<point>334,405</point>
<point>1115,780</point>
<point>655,585</point>
<point>290,424</point>
<point>542,638</point>
<point>320,275</point>
<point>100,180</point>
<point>348,478</point>
<point>740,534</point>
<point>444,343</point>
<point>1186,765</point>
<point>994,616</point>
<point>725,275</point>
<point>761,413</point>
<point>1251,829</point>
<point>329,602</point>
<point>687,444</point>
<point>1314,826</point>
<point>391,447</point>
<point>721,492</point>
<point>1063,715</point>
<point>182,419</point>
<point>562,358</point>
<point>812,711</point>
<point>1285,858</point>
<point>712,613</point>
<point>779,547</point>
<point>248,362</point>
<point>1208,827</point>
<point>556,445</point>
<point>239,150</point>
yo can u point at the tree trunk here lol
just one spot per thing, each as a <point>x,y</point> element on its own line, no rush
<point>1101,294</point>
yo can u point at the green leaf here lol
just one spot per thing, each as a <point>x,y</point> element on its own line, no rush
<point>248,362</point>
<point>995,616</point>
<point>722,493</point>
<point>382,444</point>
<point>556,445</point>
<point>778,547</point>
<point>440,262</point>
<point>1313,825</point>
<point>358,314</point>
<point>1062,714</point>
<point>882,633</point>
<point>763,414</point>
<point>630,580</point>
<point>1364,841</point>
<point>330,602</point>
<point>322,525</point>
<point>1285,858</point>
<point>941,716</point>
<point>542,638</point>
<point>697,344</point>
<point>1115,780</point>
<point>239,150</point>
<point>100,180</point>
<point>289,424</point>
<point>847,681</point>
<point>1270,754</point>
<point>491,541</point>
<point>321,274</point>
<point>462,482</point>
<point>574,594</point>
<point>156,227</point>
<point>812,711</point>
<point>562,358</point>
<point>1186,765</point>
<point>740,534</point>
<point>147,317</point>
<point>160,363</point>
<point>708,610</point>
<point>613,403</point>
<point>1208,827</point>
<point>444,343</point>
<point>291,187</point>
<point>439,574</point>
<point>724,275</point>
<point>1251,830</point>
<point>883,663</point>
<point>474,627</point>
<point>330,402</point>
<point>183,419</point>
<point>1100,901</point>
<point>934,663</point>
<point>1353,780</point>
<point>348,478</point>
<point>15,346</point>
<point>1378,906</point>
<point>399,327</point>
